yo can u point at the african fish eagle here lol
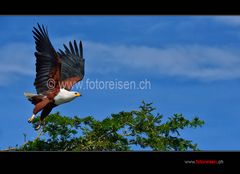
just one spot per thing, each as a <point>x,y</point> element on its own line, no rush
<point>56,73</point>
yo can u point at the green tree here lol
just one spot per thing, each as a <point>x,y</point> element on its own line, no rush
<point>125,131</point>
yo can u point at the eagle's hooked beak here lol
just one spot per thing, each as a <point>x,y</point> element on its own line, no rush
<point>77,94</point>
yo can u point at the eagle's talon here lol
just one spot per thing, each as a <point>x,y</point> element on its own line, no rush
<point>38,127</point>
<point>30,120</point>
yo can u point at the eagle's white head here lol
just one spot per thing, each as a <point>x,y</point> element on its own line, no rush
<point>65,96</point>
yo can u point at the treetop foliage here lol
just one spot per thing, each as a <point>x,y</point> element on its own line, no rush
<point>125,131</point>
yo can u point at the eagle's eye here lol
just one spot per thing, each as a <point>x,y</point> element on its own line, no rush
<point>76,93</point>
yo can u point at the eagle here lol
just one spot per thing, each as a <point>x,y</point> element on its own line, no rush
<point>56,73</point>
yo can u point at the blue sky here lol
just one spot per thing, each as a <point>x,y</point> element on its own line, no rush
<point>192,62</point>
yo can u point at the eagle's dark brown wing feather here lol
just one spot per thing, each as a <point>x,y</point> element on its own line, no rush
<point>47,63</point>
<point>72,64</point>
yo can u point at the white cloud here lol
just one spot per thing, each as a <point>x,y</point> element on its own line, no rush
<point>16,59</point>
<point>230,20</point>
<point>187,61</point>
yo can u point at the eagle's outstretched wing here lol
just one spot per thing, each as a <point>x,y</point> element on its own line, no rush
<point>72,64</point>
<point>48,66</point>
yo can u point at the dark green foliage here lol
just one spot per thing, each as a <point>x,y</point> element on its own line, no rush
<point>121,132</point>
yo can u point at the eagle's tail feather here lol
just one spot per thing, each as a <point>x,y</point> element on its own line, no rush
<point>29,95</point>
<point>33,98</point>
